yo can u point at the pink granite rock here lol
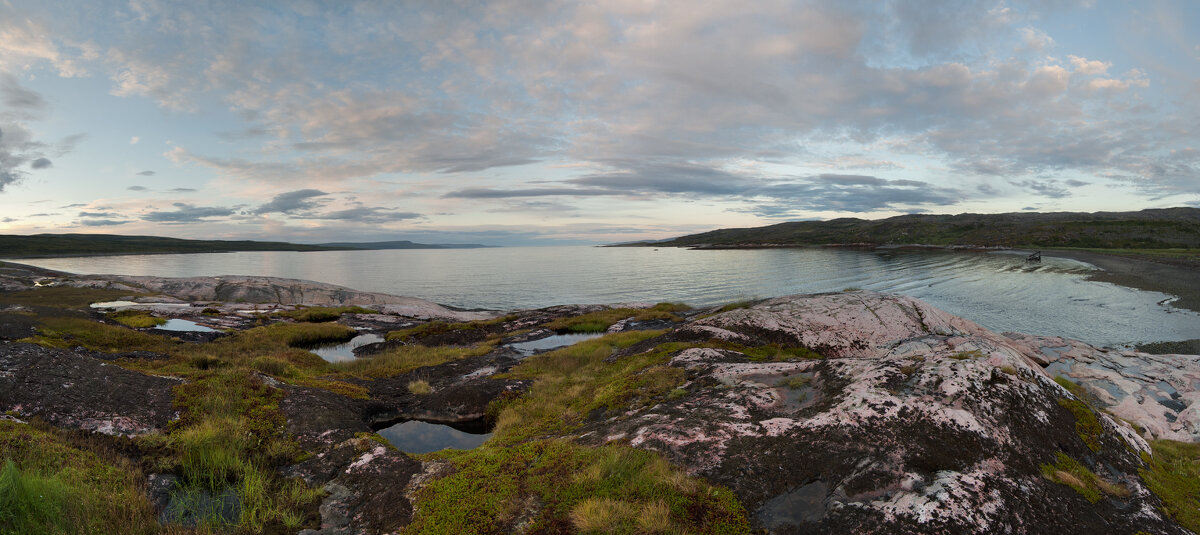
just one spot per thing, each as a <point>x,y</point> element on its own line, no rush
<point>1156,392</point>
<point>916,422</point>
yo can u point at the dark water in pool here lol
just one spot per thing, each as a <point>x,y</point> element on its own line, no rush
<point>422,437</point>
<point>551,342</point>
<point>345,350</point>
<point>185,326</point>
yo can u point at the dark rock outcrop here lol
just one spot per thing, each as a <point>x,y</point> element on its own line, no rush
<point>77,391</point>
<point>918,422</point>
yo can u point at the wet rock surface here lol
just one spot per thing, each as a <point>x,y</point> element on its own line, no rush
<point>368,496</point>
<point>78,391</point>
<point>14,325</point>
<point>241,289</point>
<point>1158,392</point>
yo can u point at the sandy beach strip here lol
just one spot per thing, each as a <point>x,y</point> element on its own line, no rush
<point>1180,278</point>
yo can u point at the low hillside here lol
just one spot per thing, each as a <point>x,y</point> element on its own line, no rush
<point>14,246</point>
<point>1147,229</point>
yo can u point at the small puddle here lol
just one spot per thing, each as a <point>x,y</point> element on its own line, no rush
<point>184,326</point>
<point>343,351</point>
<point>422,437</point>
<point>192,508</point>
<point>113,304</point>
<point>551,342</point>
<point>800,506</point>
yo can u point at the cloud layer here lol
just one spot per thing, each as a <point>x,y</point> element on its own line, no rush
<point>446,111</point>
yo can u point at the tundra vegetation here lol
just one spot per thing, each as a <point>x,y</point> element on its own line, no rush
<point>230,437</point>
<point>1166,233</point>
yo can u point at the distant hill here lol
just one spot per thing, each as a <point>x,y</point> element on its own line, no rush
<point>15,246</point>
<point>403,244</point>
<point>1147,229</point>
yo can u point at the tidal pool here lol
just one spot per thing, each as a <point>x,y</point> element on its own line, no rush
<point>178,325</point>
<point>421,437</point>
<point>343,351</point>
<point>551,342</point>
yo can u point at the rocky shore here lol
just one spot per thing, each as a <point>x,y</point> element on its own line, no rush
<point>850,412</point>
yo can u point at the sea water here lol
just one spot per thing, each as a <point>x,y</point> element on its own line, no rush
<point>997,290</point>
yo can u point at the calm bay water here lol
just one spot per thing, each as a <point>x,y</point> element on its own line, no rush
<point>997,290</point>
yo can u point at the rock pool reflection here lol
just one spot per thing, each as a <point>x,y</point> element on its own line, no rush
<point>422,437</point>
<point>178,325</point>
<point>345,351</point>
<point>551,342</point>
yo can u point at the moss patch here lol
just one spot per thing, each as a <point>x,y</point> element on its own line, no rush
<point>1173,474</point>
<point>556,486</point>
<point>1074,474</point>
<point>137,319</point>
<point>1078,391</point>
<point>1086,424</point>
<point>600,321</point>
<point>322,314</point>
<point>561,487</point>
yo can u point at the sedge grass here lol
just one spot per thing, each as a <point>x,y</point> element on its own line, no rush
<point>49,484</point>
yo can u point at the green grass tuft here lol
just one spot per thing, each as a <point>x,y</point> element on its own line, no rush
<point>1072,473</point>
<point>403,359</point>
<point>322,314</point>
<point>600,321</point>
<point>434,328</point>
<point>964,355</point>
<point>137,319</point>
<point>50,484</point>
<point>1086,424</point>
<point>63,297</point>
<point>419,387</point>
<point>577,487</point>
<point>1173,474</point>
<point>795,383</point>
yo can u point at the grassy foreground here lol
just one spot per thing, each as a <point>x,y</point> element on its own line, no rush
<point>607,489</point>
<point>230,437</point>
<point>56,482</point>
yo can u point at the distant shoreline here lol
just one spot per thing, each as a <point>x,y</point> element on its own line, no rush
<point>1179,278</point>
<point>137,253</point>
<point>18,247</point>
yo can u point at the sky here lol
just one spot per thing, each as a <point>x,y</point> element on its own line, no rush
<point>543,122</point>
